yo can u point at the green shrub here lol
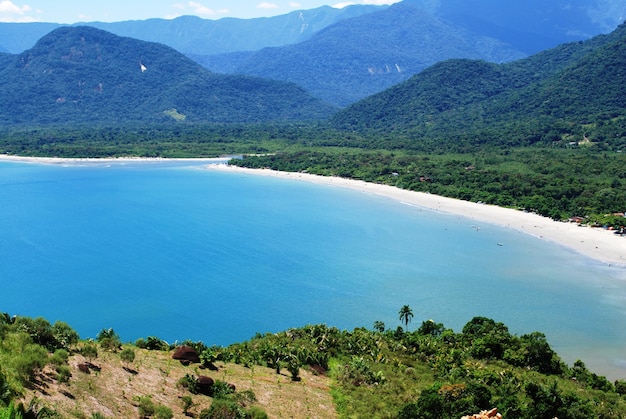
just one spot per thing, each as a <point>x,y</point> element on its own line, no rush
<point>163,412</point>
<point>145,407</point>
<point>63,373</point>
<point>59,357</point>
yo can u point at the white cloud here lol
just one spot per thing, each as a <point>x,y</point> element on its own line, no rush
<point>195,8</point>
<point>295,5</point>
<point>10,12</point>
<point>342,5</point>
<point>379,2</point>
<point>374,2</point>
<point>266,5</point>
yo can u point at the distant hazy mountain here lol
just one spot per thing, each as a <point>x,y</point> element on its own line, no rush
<point>530,99</point>
<point>192,35</point>
<point>360,56</point>
<point>86,75</point>
<point>531,25</point>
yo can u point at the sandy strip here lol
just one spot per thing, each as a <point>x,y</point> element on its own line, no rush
<point>62,160</point>
<point>596,243</point>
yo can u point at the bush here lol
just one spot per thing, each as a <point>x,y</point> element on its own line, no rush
<point>63,373</point>
<point>127,355</point>
<point>109,340</point>
<point>152,343</point>
<point>145,406</point>
<point>59,357</point>
<point>223,409</point>
<point>163,412</point>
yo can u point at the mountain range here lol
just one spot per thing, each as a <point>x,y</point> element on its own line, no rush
<point>533,99</point>
<point>81,74</point>
<point>344,55</point>
<point>86,75</point>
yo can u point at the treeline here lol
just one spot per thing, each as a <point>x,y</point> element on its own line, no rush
<point>557,183</point>
<point>434,372</point>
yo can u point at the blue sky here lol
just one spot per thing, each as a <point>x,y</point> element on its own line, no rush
<point>72,11</point>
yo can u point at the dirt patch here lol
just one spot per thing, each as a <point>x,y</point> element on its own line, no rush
<point>111,387</point>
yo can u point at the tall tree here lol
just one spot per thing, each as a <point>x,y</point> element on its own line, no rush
<point>406,314</point>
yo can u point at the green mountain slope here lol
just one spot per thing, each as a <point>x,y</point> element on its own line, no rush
<point>361,56</point>
<point>527,100</point>
<point>82,74</point>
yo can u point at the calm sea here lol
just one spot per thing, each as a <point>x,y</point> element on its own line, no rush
<point>169,249</point>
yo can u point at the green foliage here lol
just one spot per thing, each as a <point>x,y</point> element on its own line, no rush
<point>405,315</point>
<point>187,403</point>
<point>86,75</point>
<point>152,343</point>
<point>89,351</point>
<point>551,181</point>
<point>189,382</point>
<point>63,373</point>
<point>221,390</point>
<point>145,406</point>
<point>163,412</point>
<point>10,412</point>
<point>109,340</point>
<point>127,355</point>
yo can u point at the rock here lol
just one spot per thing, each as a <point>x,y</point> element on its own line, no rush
<point>186,354</point>
<point>485,414</point>
<point>84,368</point>
<point>204,384</point>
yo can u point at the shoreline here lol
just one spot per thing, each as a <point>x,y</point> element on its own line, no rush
<point>68,160</point>
<point>595,243</point>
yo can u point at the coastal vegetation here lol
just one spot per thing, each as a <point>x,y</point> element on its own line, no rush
<point>318,370</point>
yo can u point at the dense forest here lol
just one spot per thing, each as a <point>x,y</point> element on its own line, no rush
<point>430,372</point>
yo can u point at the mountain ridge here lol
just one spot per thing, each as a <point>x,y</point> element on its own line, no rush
<point>468,98</point>
<point>84,74</point>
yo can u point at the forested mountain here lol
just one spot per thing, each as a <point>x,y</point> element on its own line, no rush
<point>344,55</point>
<point>192,35</point>
<point>83,74</point>
<point>357,57</point>
<point>530,100</point>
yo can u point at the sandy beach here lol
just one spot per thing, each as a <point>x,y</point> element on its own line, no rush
<point>63,160</point>
<point>596,243</point>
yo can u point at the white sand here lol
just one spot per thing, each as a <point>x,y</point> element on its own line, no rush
<point>63,160</point>
<point>597,243</point>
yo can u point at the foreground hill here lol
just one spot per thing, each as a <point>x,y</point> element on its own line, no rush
<point>530,100</point>
<point>86,75</point>
<point>432,372</point>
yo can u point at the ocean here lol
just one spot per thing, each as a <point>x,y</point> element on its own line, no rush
<point>169,249</point>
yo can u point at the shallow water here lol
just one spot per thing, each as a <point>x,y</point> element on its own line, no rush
<point>172,250</point>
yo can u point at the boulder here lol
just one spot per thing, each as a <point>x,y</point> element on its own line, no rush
<point>205,384</point>
<point>186,354</point>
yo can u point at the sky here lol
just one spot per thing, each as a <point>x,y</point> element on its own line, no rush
<point>73,11</point>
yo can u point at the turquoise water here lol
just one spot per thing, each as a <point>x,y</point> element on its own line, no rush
<point>172,250</point>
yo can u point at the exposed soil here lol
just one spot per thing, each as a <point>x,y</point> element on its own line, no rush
<point>111,387</point>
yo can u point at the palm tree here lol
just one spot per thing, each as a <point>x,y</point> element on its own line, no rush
<point>406,314</point>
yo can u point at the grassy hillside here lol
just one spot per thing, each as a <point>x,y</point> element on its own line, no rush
<point>311,372</point>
